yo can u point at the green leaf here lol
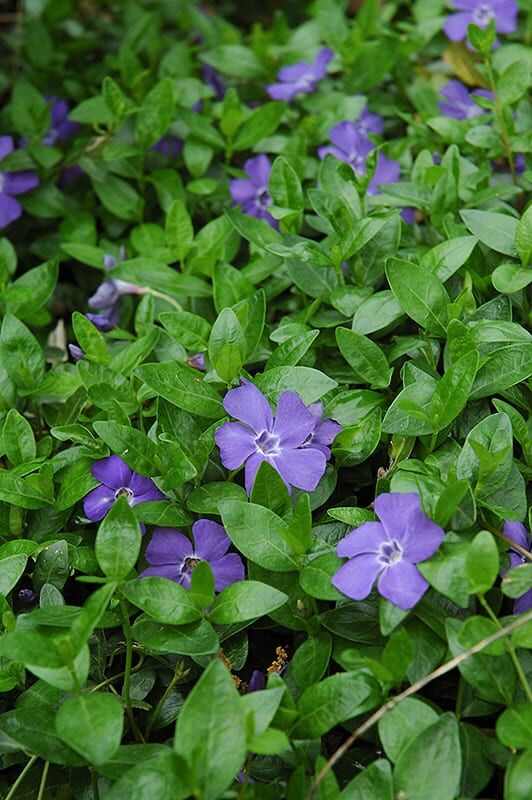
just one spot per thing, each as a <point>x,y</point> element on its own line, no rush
<point>162,774</point>
<point>310,384</point>
<point>446,258</point>
<point>518,777</point>
<point>91,724</point>
<point>211,732</point>
<point>154,275</point>
<point>90,339</point>
<point>52,565</point>
<point>452,391</point>
<point>514,726</point>
<point>234,60</point>
<point>19,441</point>
<point>11,569</point>
<point>119,197</point>
<point>373,783</point>
<point>437,748</point>
<point>32,290</point>
<point>497,231</point>
<point>316,577</point>
<point>335,699</point>
<point>183,387</point>
<point>227,345</point>
<point>118,539</point>
<point>419,293</point>
<point>523,237</point>
<point>190,330</point>
<point>285,186</point>
<point>195,639</point>
<point>513,82</point>
<point>517,581</point>
<point>21,354</point>
<point>207,498</point>
<point>179,232</point>
<point>268,547</point>
<point>365,357</point>
<point>482,563</point>
<point>262,122</point>
<point>245,600</point>
<point>163,600</point>
<point>311,659</point>
<point>400,726</point>
<point>292,350</point>
<point>138,451</point>
<point>155,114</point>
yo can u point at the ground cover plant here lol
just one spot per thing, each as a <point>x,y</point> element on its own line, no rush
<point>264,390</point>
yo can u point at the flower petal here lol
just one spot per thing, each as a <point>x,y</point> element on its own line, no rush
<point>393,510</point>
<point>20,182</point>
<point>282,91</point>
<point>333,151</point>
<point>293,421</point>
<point>168,546</point>
<point>455,27</point>
<point>367,538</point>
<point>169,571</point>
<point>252,465</point>
<point>295,72</point>
<point>112,471</point>
<point>10,210</point>
<point>242,190</point>
<point>422,537</point>
<point>227,570</point>
<point>402,585</point>
<point>516,531</point>
<point>258,169</point>
<point>523,603</point>
<point>236,443</point>
<point>6,146</point>
<point>321,62</point>
<point>248,404</point>
<point>210,540</point>
<point>98,502</point>
<point>301,468</point>
<point>356,578</point>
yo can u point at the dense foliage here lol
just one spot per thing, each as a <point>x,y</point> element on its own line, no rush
<point>264,385</point>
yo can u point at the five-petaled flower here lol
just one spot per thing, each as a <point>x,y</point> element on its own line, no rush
<point>480,13</point>
<point>252,193</point>
<point>282,441</point>
<point>171,554</point>
<point>12,184</point>
<point>516,531</point>
<point>351,146</point>
<point>117,480</point>
<point>389,550</point>
<point>300,78</point>
<point>108,296</point>
<point>460,103</point>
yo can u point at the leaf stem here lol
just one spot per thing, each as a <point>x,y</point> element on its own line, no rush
<point>420,684</point>
<point>127,672</point>
<point>21,777</point>
<point>509,647</point>
<point>178,674</point>
<point>517,547</point>
<point>44,776</point>
<point>500,117</point>
<point>162,296</point>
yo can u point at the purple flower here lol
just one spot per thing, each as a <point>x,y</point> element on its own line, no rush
<point>197,361</point>
<point>302,77</point>
<point>367,122</point>
<point>117,480</point>
<point>480,13</point>
<point>279,440</point>
<point>389,550</point>
<point>516,531</point>
<point>11,184</point>
<point>108,296</point>
<point>351,146</point>
<point>325,431</point>
<point>252,192</point>
<point>76,352</point>
<point>460,103</point>
<point>169,146</point>
<point>26,596</point>
<point>172,555</point>
<point>61,128</point>
<point>212,79</point>
<point>257,682</point>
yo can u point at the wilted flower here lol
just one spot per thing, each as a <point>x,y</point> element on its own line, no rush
<point>389,550</point>
<point>12,184</point>
<point>300,78</point>
<point>252,193</point>
<point>117,480</point>
<point>282,440</point>
<point>172,555</point>
<point>351,146</point>
<point>480,13</point>
<point>460,103</point>
<point>516,531</point>
<point>108,296</point>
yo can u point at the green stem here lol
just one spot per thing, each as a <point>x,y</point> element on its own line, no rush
<point>21,777</point>
<point>460,697</point>
<point>162,296</point>
<point>127,672</point>
<point>500,117</point>
<point>178,674</point>
<point>509,647</point>
<point>517,547</point>
<point>94,785</point>
<point>44,776</point>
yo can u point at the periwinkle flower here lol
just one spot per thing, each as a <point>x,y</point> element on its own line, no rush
<point>252,193</point>
<point>460,103</point>
<point>516,531</point>
<point>282,440</point>
<point>389,551</point>
<point>325,431</point>
<point>76,352</point>
<point>368,122</point>
<point>117,480</point>
<point>12,184</point>
<point>300,78</point>
<point>107,297</point>
<point>197,361</point>
<point>351,146</point>
<point>169,146</point>
<point>61,128</point>
<point>26,596</point>
<point>480,13</point>
<point>213,79</point>
<point>172,555</point>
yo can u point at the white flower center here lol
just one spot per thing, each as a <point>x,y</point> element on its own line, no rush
<point>268,444</point>
<point>262,198</point>
<point>390,553</point>
<point>126,492</point>
<point>483,14</point>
